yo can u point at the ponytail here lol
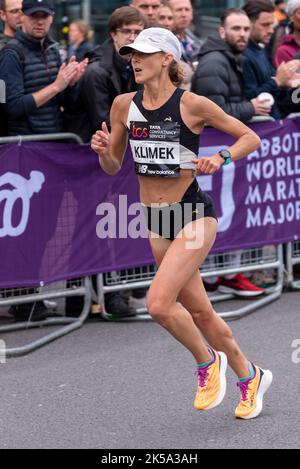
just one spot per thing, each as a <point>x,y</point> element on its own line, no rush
<point>176,73</point>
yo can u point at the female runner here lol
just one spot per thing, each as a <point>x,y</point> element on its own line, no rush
<point>163,124</point>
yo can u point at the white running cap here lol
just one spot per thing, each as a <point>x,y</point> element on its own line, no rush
<point>152,40</point>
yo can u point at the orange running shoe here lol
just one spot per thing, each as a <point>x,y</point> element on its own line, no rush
<point>253,391</point>
<point>211,383</point>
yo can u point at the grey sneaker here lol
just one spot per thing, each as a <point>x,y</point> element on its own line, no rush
<point>137,303</point>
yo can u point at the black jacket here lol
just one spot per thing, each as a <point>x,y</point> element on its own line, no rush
<point>219,77</point>
<point>258,73</point>
<point>82,50</point>
<point>107,76</point>
<point>37,69</point>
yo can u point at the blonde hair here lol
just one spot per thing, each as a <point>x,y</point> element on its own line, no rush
<point>84,28</point>
<point>176,73</point>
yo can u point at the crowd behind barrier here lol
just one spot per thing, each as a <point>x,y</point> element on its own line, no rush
<point>122,267</point>
<point>256,201</point>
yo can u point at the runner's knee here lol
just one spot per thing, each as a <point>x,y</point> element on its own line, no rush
<point>158,309</point>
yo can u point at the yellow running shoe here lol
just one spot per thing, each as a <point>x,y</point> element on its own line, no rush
<point>211,383</point>
<point>253,391</point>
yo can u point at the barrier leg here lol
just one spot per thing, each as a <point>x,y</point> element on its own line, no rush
<point>70,324</point>
<point>292,259</point>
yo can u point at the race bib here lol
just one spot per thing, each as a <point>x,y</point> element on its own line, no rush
<point>155,148</point>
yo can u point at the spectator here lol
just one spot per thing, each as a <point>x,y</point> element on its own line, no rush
<point>282,29</point>
<point>290,45</point>
<point>165,17</point>
<point>148,8</point>
<point>183,17</point>
<point>260,76</point>
<point>79,37</point>
<point>36,87</point>
<point>280,10</point>
<point>219,75</point>
<point>36,83</point>
<point>166,20</point>
<point>10,14</point>
<point>107,75</point>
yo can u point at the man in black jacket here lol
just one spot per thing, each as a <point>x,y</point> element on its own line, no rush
<point>219,77</point>
<point>107,75</point>
<point>219,74</point>
<point>36,83</point>
<point>11,15</point>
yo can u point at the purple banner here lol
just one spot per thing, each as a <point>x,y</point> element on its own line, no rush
<point>258,198</point>
<point>62,217</point>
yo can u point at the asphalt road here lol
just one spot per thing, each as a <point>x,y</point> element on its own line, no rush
<point>131,385</point>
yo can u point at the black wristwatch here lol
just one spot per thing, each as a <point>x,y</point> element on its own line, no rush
<point>226,156</point>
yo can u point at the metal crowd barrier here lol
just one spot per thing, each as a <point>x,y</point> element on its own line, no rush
<point>292,259</point>
<point>215,265</point>
<point>41,138</point>
<point>15,296</point>
<point>81,287</point>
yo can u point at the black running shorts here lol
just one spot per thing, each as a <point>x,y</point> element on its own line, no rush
<point>168,220</point>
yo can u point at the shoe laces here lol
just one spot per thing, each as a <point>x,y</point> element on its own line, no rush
<point>202,374</point>
<point>244,389</point>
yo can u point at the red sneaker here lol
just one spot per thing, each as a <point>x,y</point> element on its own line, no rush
<point>211,287</point>
<point>239,286</point>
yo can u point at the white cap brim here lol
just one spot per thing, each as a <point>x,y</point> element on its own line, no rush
<point>140,47</point>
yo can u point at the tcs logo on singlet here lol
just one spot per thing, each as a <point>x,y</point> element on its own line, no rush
<point>139,132</point>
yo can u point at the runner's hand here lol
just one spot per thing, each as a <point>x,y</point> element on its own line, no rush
<point>101,141</point>
<point>208,165</point>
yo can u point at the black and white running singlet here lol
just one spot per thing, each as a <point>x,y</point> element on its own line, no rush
<point>160,141</point>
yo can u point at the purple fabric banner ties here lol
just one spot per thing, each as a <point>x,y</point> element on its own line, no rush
<point>62,217</point>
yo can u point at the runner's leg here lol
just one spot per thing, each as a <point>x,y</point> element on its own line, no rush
<point>176,267</point>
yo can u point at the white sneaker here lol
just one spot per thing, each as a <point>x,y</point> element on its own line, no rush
<point>50,305</point>
<point>137,303</point>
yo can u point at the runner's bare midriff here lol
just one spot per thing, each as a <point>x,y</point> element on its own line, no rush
<point>155,190</point>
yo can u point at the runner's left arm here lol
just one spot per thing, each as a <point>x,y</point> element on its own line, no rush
<point>246,142</point>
